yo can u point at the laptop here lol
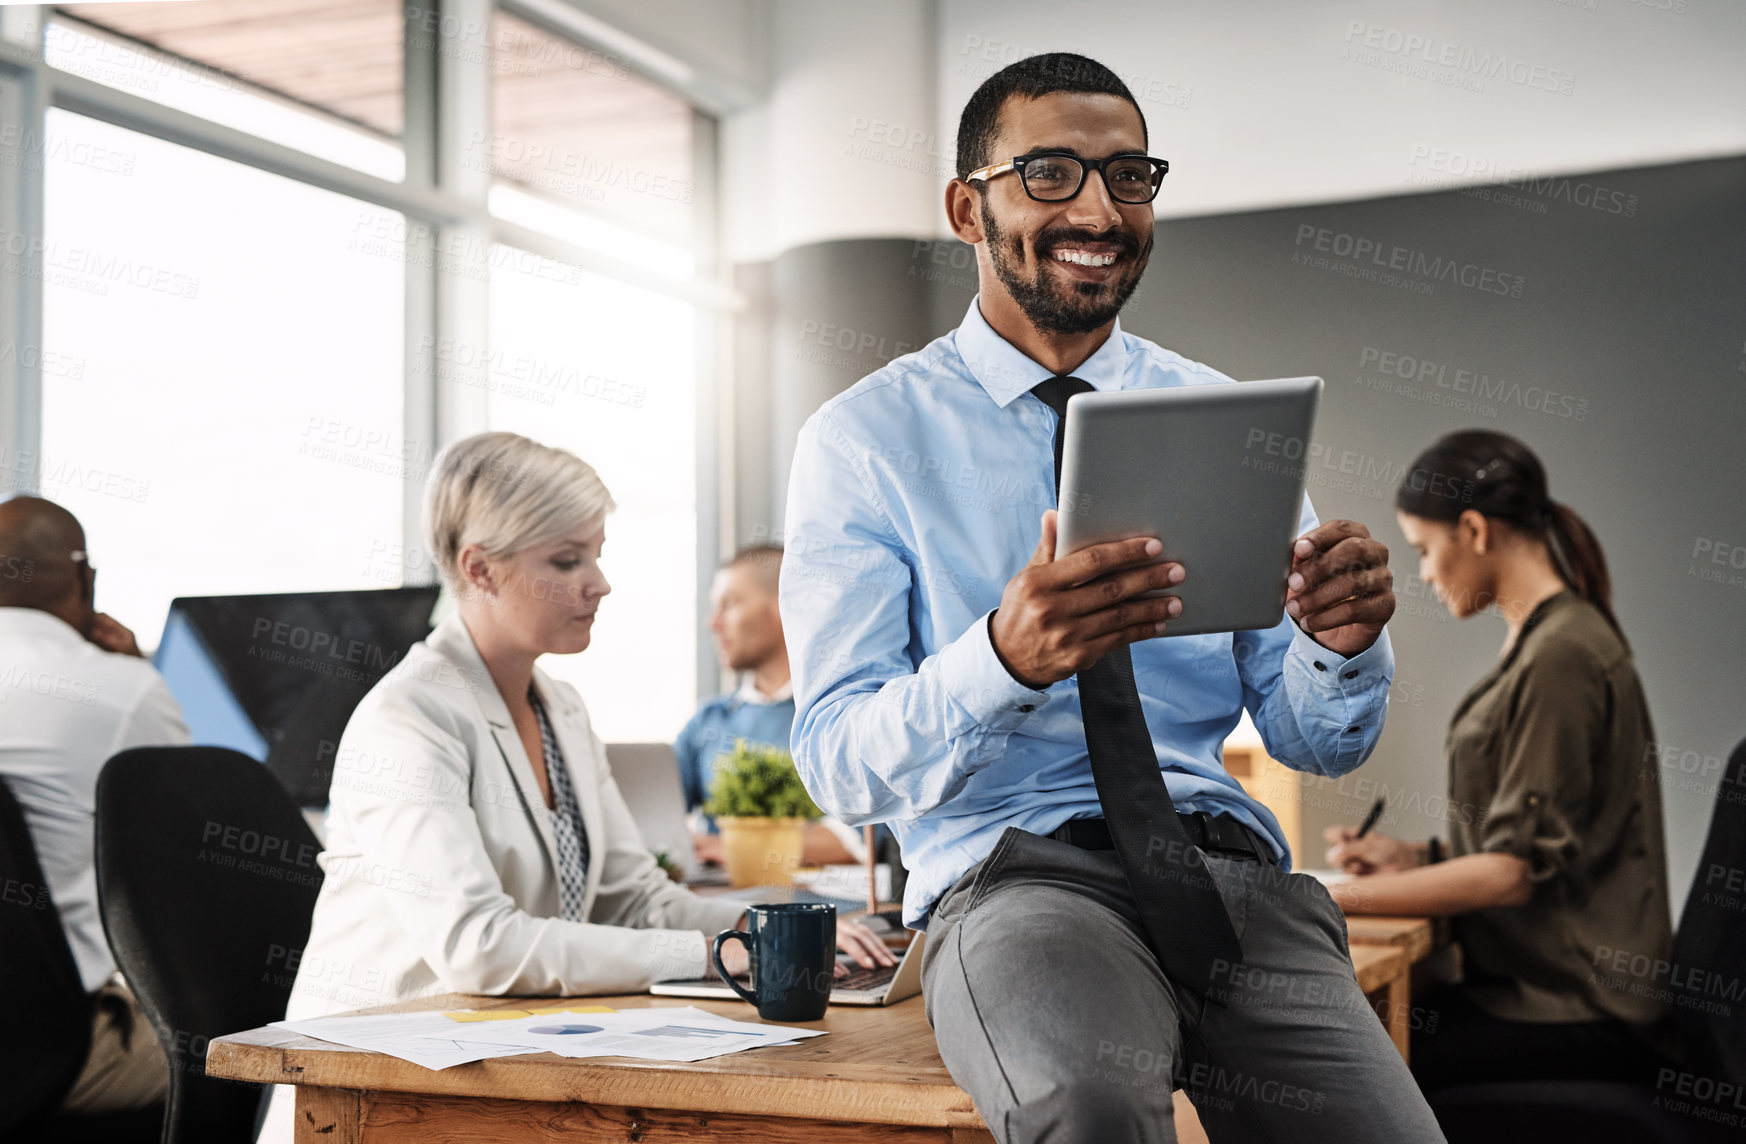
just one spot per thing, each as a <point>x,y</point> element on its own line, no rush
<point>647,775</point>
<point>885,985</point>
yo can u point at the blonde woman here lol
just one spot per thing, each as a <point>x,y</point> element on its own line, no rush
<point>476,841</point>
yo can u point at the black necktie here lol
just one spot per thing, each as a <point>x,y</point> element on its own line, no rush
<point>1184,916</point>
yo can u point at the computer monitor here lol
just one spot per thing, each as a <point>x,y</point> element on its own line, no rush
<point>277,676</point>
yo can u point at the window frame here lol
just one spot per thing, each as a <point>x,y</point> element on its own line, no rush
<point>447,98</point>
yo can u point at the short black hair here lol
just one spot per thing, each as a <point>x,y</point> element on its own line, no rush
<point>1032,77</point>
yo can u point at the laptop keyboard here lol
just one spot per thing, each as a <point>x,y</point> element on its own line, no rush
<point>860,978</point>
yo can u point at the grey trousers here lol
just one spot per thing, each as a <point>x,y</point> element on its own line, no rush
<point>1051,1011</point>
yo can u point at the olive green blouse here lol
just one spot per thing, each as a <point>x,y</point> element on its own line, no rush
<point>1547,762</point>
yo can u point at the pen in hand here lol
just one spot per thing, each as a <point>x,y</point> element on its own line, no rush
<point>1370,819</point>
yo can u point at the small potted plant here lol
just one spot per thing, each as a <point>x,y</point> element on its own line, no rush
<point>762,809</point>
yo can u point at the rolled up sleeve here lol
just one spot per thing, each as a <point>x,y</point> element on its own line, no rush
<point>1546,764</point>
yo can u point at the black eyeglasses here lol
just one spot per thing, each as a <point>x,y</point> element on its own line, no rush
<point>1055,176</point>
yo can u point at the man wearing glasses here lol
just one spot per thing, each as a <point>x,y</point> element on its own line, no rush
<point>1108,912</point>
<point>74,691</point>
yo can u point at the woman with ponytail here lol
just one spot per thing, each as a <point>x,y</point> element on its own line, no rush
<point>1554,865</point>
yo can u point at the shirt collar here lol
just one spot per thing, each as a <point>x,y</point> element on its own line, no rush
<point>36,621</point>
<point>1006,373</point>
<point>749,693</point>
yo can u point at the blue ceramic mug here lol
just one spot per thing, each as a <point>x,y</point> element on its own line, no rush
<point>793,949</point>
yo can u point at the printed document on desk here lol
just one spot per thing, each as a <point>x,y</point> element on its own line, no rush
<point>680,1034</point>
<point>430,1039</point>
<point>438,1040</point>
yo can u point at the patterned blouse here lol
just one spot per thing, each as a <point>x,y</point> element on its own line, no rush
<point>566,820</point>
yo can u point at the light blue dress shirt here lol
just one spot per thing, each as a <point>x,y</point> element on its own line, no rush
<point>915,496</point>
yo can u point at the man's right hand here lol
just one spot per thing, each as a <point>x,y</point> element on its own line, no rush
<point>1057,617</point>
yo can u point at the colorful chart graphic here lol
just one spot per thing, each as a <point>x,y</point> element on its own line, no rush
<point>563,1030</point>
<point>687,1031</point>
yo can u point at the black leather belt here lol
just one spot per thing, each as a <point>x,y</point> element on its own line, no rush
<point>1218,834</point>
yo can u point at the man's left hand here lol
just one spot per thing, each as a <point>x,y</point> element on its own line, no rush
<point>1340,590</point>
<point>110,634</point>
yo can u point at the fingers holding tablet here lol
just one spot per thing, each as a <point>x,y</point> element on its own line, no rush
<point>1057,617</point>
<point>1340,589</point>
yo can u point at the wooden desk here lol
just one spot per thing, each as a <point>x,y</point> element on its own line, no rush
<point>878,1067</point>
<point>877,1076</point>
<point>1413,939</point>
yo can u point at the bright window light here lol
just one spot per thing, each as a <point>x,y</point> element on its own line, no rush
<point>545,216</point>
<point>608,371</point>
<point>223,375</point>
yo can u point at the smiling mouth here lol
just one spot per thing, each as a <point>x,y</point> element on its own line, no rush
<point>1077,257</point>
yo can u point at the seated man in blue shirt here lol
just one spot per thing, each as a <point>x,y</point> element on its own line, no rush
<point>748,633</point>
<point>1109,915</point>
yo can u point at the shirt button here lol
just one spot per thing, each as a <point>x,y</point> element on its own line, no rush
<point>1320,666</point>
<point>1350,675</point>
<point>1027,707</point>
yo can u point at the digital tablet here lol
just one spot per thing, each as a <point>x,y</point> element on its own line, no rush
<point>1215,472</point>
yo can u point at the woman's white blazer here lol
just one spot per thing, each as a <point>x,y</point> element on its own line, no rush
<point>440,863</point>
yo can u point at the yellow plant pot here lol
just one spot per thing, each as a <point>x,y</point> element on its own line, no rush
<point>761,851</point>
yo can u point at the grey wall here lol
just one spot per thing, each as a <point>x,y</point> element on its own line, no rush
<point>1600,318</point>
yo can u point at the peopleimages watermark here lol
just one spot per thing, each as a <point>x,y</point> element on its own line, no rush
<point>522,376</point>
<point>1461,387</point>
<point>47,362</point>
<point>896,145</point>
<point>1665,980</point>
<point>1438,168</point>
<point>516,51</point>
<point>23,148</point>
<point>577,174</point>
<point>24,470</point>
<point>86,269</point>
<point>1393,265</point>
<point>1446,62</point>
<point>1331,467</point>
<point>982,56</point>
<point>856,346</point>
<point>1718,561</point>
<point>450,251</point>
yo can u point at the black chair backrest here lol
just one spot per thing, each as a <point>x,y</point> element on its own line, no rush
<point>207,876</point>
<point>1710,946</point>
<point>50,1010</point>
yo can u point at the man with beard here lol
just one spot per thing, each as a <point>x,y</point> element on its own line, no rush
<point>1109,914</point>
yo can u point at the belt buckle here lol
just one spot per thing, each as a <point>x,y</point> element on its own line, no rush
<point>1209,836</point>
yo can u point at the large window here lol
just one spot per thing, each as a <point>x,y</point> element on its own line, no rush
<point>222,403</point>
<point>291,248</point>
<point>608,372</point>
<point>581,128</point>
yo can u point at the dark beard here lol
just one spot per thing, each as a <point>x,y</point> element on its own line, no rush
<point>1088,307</point>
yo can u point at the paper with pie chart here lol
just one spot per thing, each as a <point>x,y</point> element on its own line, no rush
<point>439,1040</point>
<point>679,1034</point>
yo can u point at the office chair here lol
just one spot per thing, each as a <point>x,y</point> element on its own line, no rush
<point>207,878</point>
<point>50,1010</point>
<point>1711,937</point>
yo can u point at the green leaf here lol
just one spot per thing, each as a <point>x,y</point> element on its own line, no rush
<point>758,781</point>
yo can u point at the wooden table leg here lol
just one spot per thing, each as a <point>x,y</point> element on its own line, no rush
<point>1399,1003</point>
<point>328,1116</point>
